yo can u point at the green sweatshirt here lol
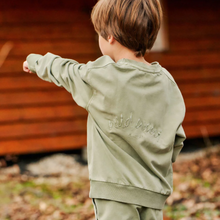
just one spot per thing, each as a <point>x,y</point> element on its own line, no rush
<point>135,114</point>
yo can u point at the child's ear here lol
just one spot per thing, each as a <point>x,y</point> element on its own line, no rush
<point>111,39</point>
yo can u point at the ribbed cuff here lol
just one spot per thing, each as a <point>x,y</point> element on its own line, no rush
<point>32,59</point>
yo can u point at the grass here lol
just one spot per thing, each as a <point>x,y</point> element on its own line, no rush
<point>196,195</point>
<point>44,198</point>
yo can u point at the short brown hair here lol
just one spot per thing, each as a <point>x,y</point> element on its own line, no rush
<point>133,23</point>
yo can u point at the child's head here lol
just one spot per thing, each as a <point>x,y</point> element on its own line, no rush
<point>133,23</point>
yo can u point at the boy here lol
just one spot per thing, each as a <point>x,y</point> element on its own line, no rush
<point>135,111</point>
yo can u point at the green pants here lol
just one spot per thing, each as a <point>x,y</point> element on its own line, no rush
<point>112,210</point>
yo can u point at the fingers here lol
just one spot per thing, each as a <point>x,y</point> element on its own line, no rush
<point>25,67</point>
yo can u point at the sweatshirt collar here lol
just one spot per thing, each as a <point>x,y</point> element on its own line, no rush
<point>154,67</point>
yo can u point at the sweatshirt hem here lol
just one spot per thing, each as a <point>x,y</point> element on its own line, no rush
<point>126,194</point>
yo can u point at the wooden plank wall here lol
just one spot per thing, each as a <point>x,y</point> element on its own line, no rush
<point>194,61</point>
<point>37,116</point>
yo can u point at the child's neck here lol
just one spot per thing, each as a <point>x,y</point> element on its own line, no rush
<point>132,56</point>
<point>121,52</point>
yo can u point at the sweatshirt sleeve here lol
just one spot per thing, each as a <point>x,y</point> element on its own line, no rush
<point>65,73</point>
<point>178,145</point>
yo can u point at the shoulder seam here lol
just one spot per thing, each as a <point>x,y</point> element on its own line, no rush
<point>167,75</point>
<point>97,67</point>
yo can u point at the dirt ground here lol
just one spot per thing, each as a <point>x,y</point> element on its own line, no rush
<point>56,187</point>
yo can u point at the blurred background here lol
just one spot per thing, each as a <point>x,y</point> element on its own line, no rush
<point>37,117</point>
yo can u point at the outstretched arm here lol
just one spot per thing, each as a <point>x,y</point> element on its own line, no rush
<point>65,73</point>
